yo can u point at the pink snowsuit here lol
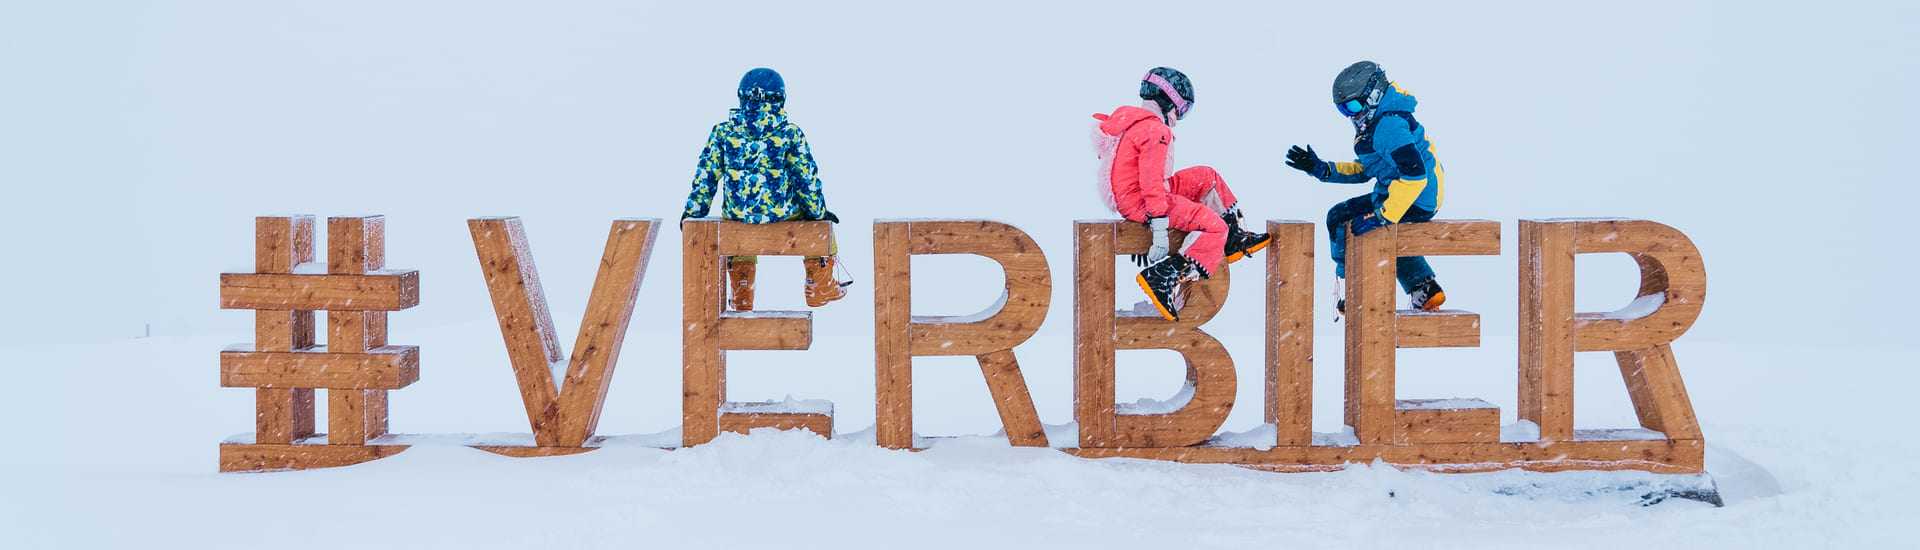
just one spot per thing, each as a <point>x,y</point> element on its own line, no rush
<point>1193,199</point>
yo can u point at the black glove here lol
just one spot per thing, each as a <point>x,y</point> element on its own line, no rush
<point>683,220</point>
<point>830,217</point>
<point>1306,161</point>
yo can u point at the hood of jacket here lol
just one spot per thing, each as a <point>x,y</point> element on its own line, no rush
<point>757,120</point>
<point>1125,117</point>
<point>1396,99</point>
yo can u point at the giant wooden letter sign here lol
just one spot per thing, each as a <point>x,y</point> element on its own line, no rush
<point>711,332</point>
<point>563,392</point>
<point>989,336</point>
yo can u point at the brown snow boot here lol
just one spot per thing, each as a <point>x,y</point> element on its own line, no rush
<point>821,286</point>
<point>740,285</point>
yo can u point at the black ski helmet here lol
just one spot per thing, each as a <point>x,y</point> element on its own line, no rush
<point>1177,80</point>
<point>1364,81</point>
<point>762,85</point>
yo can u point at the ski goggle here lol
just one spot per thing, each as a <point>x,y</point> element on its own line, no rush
<point>1180,104</point>
<point>1352,107</point>
<point>762,95</point>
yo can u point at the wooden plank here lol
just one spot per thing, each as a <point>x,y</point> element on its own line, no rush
<point>282,330</point>
<point>1289,342</point>
<point>283,415</point>
<point>1010,396</point>
<point>1094,246</point>
<point>766,330</point>
<point>1026,294</point>
<point>281,243</point>
<point>1437,329</point>
<point>385,368</point>
<point>385,290</point>
<point>519,304</point>
<point>1371,321</point>
<point>892,319</point>
<point>1422,421</point>
<point>1546,327</point>
<point>603,328</point>
<point>821,424</point>
<point>1449,238</point>
<point>533,452</point>
<point>356,245</point>
<point>248,457</point>
<point>355,416</point>
<point>774,239</point>
<point>1679,456</point>
<point>1673,285</point>
<point>1659,396</point>
<point>703,374</point>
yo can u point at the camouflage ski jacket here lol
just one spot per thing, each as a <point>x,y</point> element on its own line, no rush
<point>763,163</point>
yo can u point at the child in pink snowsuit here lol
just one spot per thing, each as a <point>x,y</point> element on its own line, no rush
<point>1136,147</point>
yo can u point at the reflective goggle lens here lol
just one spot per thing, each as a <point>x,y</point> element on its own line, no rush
<point>1352,107</point>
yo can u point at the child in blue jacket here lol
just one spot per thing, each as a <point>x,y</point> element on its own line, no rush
<point>1394,153</point>
<point>763,169</point>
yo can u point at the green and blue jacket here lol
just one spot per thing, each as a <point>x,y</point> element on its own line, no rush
<point>765,166</point>
<point>1394,153</point>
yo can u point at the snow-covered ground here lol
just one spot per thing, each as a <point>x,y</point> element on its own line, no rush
<point>138,140</point>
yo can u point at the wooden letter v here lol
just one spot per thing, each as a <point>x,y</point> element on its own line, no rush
<point>567,417</point>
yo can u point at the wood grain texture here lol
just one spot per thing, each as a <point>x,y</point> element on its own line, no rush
<point>704,364</point>
<point>1678,456</point>
<point>1018,417</point>
<point>1289,342</point>
<point>990,335</point>
<point>283,415</point>
<point>710,334</point>
<point>237,457</point>
<point>386,290</point>
<point>821,424</point>
<point>1371,333</point>
<point>383,368</point>
<point>1094,246</point>
<point>1659,396</point>
<point>1424,421</point>
<point>1210,372</point>
<point>603,328</point>
<point>1437,329</point>
<point>1671,273</point>
<point>565,415</point>
<point>1546,327</point>
<point>892,341</point>
<point>767,330</point>
<point>1449,238</point>
<point>774,239</point>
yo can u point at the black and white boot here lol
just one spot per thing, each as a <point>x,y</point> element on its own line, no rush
<point>1163,281</point>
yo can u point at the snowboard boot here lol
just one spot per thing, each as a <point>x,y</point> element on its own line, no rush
<point>740,285</point>
<point>1427,295</point>
<point>1164,281</point>
<point>821,286</point>
<point>1240,242</point>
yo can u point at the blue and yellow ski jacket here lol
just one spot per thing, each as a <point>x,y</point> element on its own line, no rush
<point>1395,153</point>
<point>763,162</point>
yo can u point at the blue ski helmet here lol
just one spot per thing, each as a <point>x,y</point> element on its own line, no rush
<point>762,85</point>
